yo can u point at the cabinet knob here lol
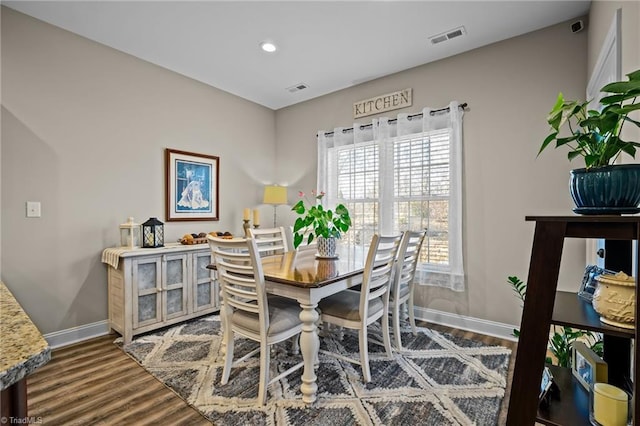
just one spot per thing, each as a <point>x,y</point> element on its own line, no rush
<point>600,253</point>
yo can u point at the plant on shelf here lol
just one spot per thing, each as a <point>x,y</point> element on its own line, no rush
<point>563,337</point>
<point>594,135</point>
<point>317,221</point>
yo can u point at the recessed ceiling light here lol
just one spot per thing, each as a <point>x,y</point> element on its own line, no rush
<point>267,46</point>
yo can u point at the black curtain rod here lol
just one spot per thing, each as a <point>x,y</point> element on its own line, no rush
<point>393,120</point>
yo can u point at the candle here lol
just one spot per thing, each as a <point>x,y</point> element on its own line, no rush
<point>610,405</point>
<point>256,217</point>
<point>247,213</point>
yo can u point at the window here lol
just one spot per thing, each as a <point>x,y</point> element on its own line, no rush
<point>421,191</point>
<point>420,199</point>
<point>398,176</point>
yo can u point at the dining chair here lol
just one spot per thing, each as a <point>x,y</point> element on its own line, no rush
<point>248,312</point>
<point>402,288</point>
<point>357,310</point>
<point>270,241</point>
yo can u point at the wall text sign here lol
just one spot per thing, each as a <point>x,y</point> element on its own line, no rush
<point>382,103</point>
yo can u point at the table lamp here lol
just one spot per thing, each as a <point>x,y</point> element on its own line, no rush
<point>275,195</point>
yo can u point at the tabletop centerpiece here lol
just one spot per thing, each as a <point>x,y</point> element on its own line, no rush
<point>601,187</point>
<point>319,223</point>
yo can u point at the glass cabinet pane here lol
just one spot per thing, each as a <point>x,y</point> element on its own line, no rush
<point>147,277</point>
<point>204,294</point>
<point>202,271</point>
<point>174,301</point>
<point>147,307</point>
<point>175,272</point>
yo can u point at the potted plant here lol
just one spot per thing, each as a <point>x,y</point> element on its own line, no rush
<point>601,187</point>
<point>316,222</point>
<point>563,337</point>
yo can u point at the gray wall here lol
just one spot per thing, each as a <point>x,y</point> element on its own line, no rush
<point>84,128</point>
<point>510,87</point>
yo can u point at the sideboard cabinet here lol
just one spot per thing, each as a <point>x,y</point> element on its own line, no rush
<point>544,305</point>
<point>153,288</point>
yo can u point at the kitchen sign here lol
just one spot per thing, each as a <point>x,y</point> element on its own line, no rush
<point>382,103</point>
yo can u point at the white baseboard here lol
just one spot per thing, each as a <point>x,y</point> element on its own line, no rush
<point>69,336</point>
<point>476,325</point>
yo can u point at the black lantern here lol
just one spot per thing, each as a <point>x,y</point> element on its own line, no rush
<point>152,233</point>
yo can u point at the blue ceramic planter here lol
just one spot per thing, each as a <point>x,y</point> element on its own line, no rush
<point>606,190</point>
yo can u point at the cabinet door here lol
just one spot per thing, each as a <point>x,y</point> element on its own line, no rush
<point>205,295</point>
<point>147,291</point>
<point>175,276</point>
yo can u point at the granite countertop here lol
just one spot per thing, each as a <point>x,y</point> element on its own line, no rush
<point>22,347</point>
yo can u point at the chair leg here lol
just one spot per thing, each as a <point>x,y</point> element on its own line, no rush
<point>395,320</point>
<point>386,338</point>
<point>264,373</point>
<point>364,354</point>
<point>295,345</point>
<point>228,356</point>
<point>412,318</point>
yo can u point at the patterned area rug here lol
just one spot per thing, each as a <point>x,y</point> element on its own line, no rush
<point>438,380</point>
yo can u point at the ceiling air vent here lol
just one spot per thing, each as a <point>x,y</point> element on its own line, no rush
<point>447,35</point>
<point>297,87</point>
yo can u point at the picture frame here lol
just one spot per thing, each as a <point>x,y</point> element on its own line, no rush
<point>586,366</point>
<point>545,384</point>
<point>192,183</point>
<point>589,282</point>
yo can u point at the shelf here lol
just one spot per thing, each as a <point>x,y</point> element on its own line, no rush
<point>540,312</point>
<point>572,311</point>
<point>572,406</point>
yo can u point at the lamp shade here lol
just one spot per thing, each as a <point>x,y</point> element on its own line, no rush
<point>274,194</point>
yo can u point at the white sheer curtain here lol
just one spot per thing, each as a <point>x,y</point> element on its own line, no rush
<point>364,168</point>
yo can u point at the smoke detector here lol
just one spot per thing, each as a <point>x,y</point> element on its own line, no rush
<point>297,87</point>
<point>447,35</point>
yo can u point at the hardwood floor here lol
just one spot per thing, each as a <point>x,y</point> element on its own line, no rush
<point>95,383</point>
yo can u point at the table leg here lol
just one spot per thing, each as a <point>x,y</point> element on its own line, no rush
<point>309,345</point>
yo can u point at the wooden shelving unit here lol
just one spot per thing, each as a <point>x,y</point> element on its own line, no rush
<point>545,306</point>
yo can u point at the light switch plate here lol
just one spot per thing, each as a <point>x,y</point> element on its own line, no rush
<point>33,209</point>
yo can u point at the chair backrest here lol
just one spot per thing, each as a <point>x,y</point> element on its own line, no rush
<point>241,277</point>
<point>270,241</point>
<point>408,257</point>
<point>378,270</point>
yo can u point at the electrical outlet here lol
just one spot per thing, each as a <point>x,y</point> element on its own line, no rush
<point>33,209</point>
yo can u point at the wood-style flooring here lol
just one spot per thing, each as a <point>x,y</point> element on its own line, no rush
<point>95,383</point>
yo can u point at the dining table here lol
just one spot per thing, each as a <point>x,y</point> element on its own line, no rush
<point>302,276</point>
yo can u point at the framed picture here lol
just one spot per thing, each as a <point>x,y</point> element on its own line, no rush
<point>545,384</point>
<point>587,366</point>
<point>191,186</point>
<point>589,282</point>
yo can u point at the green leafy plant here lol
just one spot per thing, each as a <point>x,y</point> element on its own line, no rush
<point>561,341</point>
<point>595,135</point>
<point>316,221</point>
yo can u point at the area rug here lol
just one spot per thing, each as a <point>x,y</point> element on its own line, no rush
<point>437,380</point>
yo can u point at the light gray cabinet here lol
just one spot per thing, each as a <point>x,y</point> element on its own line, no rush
<point>153,288</point>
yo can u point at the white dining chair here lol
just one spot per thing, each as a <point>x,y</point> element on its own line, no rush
<point>358,309</point>
<point>247,310</point>
<point>402,289</point>
<point>270,241</point>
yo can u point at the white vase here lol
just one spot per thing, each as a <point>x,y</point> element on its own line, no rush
<point>615,299</point>
<point>327,247</point>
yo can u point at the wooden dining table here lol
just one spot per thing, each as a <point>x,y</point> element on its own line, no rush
<point>301,276</point>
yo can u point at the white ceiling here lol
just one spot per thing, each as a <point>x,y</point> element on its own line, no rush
<point>326,45</point>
